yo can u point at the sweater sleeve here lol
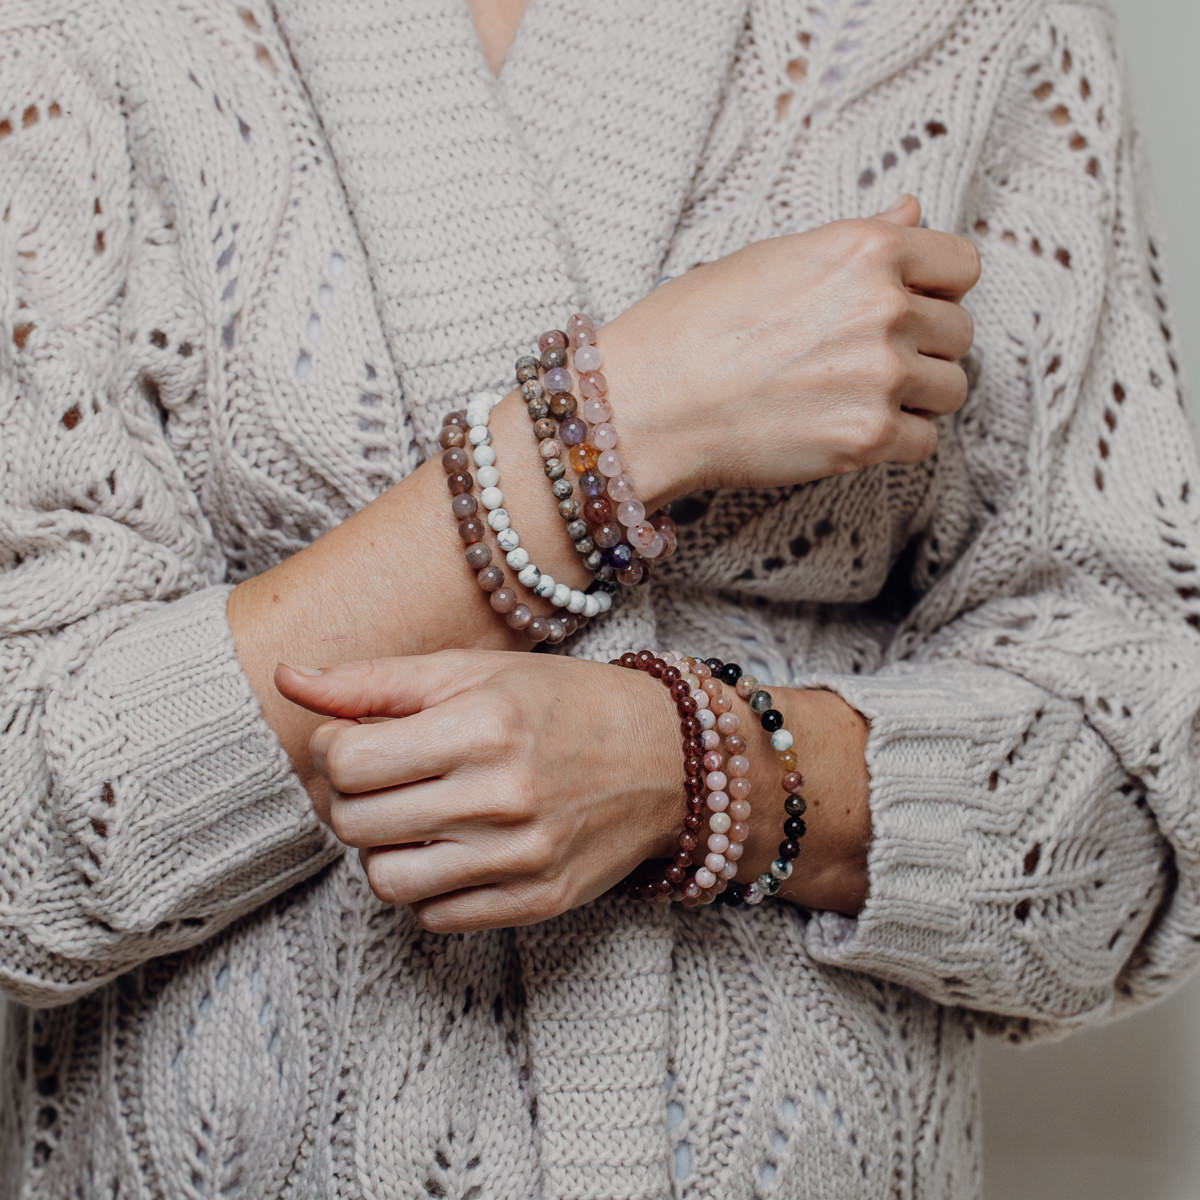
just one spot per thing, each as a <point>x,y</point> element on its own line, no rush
<point>1034,732</point>
<point>144,800</point>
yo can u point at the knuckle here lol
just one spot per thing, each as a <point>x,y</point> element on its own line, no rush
<point>554,898</point>
<point>384,883</point>
<point>893,309</point>
<point>888,370</point>
<point>494,728</point>
<point>343,762</point>
<point>871,433</point>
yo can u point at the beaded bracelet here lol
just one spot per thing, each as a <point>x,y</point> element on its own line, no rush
<point>541,583</point>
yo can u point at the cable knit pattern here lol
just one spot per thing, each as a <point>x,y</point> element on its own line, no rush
<point>248,257</point>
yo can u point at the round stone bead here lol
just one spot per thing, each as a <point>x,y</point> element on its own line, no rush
<point>484,456</point>
<point>592,383</point>
<point>753,894</point>
<point>728,723</point>
<point>572,431</point>
<point>547,427</point>
<point>561,489</point>
<point>609,464</point>
<point>739,789</point>
<point>508,539</point>
<point>789,850</point>
<point>554,469</point>
<point>704,878</point>
<point>518,559</point>
<point>735,744</point>
<point>561,595</point>
<point>499,519</point>
<point>557,380</point>
<point>795,806</point>
<point>666,530</point>
<point>620,556</point>
<point>464,506</point>
<point>596,410</point>
<point>606,535</point>
<point>577,602</point>
<point>583,457</point>
<point>459,482</point>
<point>591,483</point>
<point>746,686</point>
<point>557,630</point>
<point>471,530</point>
<point>718,801</point>
<point>730,673</point>
<point>552,337</point>
<point>545,587</point>
<point>478,556</point>
<point>451,435</point>
<point>781,740</point>
<point>605,436</point>
<point>477,435</point>
<point>554,356</point>
<point>737,766</point>
<point>795,828</point>
<point>527,368</point>
<point>706,717</point>
<point>491,498</point>
<point>593,560</point>
<point>597,510</point>
<point>487,477</point>
<point>772,719</point>
<point>715,862</point>
<point>529,576</point>
<point>631,512</point>
<point>584,545</point>
<point>591,606</point>
<point>760,701</point>
<point>538,407</point>
<point>588,358</point>
<point>562,405</point>
<point>537,629</point>
<point>720,822</point>
<point>792,781</point>
<point>620,490</point>
<point>490,579</point>
<point>633,574</point>
<point>788,760</point>
<point>504,600</point>
<point>768,883</point>
<point>580,323</point>
<point>520,617</point>
<point>718,843</point>
<point>577,529</point>
<point>550,448</point>
<point>782,869</point>
<point>739,831</point>
<point>739,810</point>
<point>712,760</point>
<point>454,459</point>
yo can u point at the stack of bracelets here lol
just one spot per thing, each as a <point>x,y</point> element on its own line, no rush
<point>618,544</point>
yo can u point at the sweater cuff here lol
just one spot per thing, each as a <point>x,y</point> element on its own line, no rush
<point>931,749</point>
<point>176,797</point>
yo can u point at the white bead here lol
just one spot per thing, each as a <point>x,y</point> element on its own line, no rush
<point>578,601</point>
<point>591,607</point>
<point>508,539</point>
<point>477,416</point>
<point>729,870</point>
<point>704,877</point>
<point>781,740</point>
<point>718,843</point>
<point>499,519</point>
<point>605,601</point>
<point>720,822</point>
<point>517,558</point>
<point>477,435</point>
<point>487,477</point>
<point>484,456</point>
<point>701,698</point>
<point>562,593</point>
<point>486,399</point>
<point>781,868</point>
<point>529,576</point>
<point>545,587</point>
<point>492,498</point>
<point>715,863</point>
<point>706,717</point>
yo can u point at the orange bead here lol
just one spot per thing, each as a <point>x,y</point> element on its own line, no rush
<point>788,760</point>
<point>583,457</point>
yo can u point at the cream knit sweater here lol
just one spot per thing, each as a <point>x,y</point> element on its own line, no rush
<point>247,259</point>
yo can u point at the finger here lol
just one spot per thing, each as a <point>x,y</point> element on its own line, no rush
<point>366,757</point>
<point>934,386</point>
<point>410,874</point>
<point>941,328</point>
<point>503,907</point>
<point>916,439</point>
<point>939,264</point>
<point>905,211</point>
<point>435,810</point>
<point>381,687</point>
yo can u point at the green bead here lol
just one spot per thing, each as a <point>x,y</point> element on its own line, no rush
<point>760,701</point>
<point>781,869</point>
<point>796,806</point>
<point>769,883</point>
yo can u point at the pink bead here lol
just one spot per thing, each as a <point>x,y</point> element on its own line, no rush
<point>718,801</point>
<point>704,877</point>
<point>735,744</point>
<point>585,337</point>
<point>712,761</point>
<point>739,831</point>
<point>716,781</point>
<point>739,789</point>
<point>728,723</point>
<point>703,670</point>
<point>729,870</point>
<point>739,810</point>
<point>737,766</point>
<point>596,410</point>
<point>588,358</point>
<point>718,843</point>
<point>722,704</point>
<point>550,448</point>
<point>712,686</point>
<point>633,574</point>
<point>666,527</point>
<point>580,321</point>
<point>620,489</point>
<point>700,698</point>
<point>735,851</point>
<point>792,781</point>
<point>629,512</point>
<point>654,549</point>
<point>553,337</point>
<point>609,464</point>
<point>604,436</point>
<point>641,536</point>
<point>593,384</point>
<point>714,862</point>
<point>710,739</point>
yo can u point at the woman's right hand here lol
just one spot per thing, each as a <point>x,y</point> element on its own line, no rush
<point>797,357</point>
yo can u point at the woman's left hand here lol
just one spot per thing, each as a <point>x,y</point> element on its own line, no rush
<point>504,789</point>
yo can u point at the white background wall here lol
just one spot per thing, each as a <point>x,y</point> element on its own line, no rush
<point>1115,1114</point>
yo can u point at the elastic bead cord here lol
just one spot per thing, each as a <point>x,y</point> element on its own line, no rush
<point>541,583</point>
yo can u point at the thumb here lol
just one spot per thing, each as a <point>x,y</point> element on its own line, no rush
<point>379,687</point>
<point>905,211</point>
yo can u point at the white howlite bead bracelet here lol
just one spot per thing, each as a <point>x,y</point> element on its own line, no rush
<point>487,474</point>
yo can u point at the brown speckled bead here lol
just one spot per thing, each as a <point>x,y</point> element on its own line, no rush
<point>479,556</point>
<point>471,530</point>
<point>451,435</point>
<point>490,579</point>
<point>455,459</point>
<point>562,405</point>
<point>459,482</point>
<point>545,428</point>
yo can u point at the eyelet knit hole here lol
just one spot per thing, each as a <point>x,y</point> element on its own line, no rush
<point>29,117</point>
<point>1043,90</point>
<point>263,56</point>
<point>71,417</point>
<point>1032,857</point>
<point>1060,114</point>
<point>21,334</point>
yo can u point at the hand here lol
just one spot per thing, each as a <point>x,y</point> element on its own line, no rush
<point>797,357</point>
<point>505,789</point>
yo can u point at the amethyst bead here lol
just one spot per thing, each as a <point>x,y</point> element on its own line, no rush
<point>558,379</point>
<point>619,556</point>
<point>592,483</point>
<point>573,431</point>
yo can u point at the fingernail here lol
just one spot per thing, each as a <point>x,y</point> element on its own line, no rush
<point>304,670</point>
<point>897,204</point>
